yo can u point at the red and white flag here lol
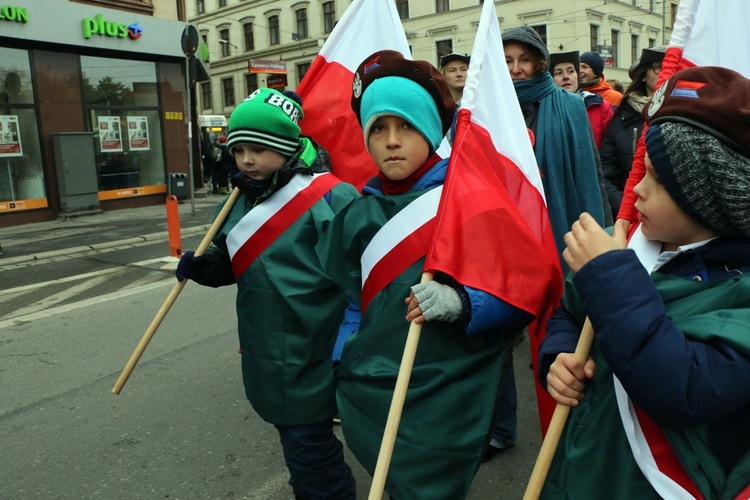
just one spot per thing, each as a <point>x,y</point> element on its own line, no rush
<point>705,33</point>
<point>492,231</point>
<point>366,27</point>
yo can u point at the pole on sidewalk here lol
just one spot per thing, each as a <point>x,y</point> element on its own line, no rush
<point>173,226</point>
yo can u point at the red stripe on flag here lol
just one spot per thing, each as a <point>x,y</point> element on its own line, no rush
<point>493,231</point>
<point>396,261</point>
<point>326,92</point>
<point>494,234</point>
<point>666,460</point>
<point>279,222</point>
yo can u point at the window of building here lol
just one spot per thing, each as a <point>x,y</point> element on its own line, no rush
<point>541,31</point>
<point>121,96</point>
<point>201,6</point>
<point>227,84</point>
<point>302,24</point>
<point>21,168</point>
<point>402,6</point>
<point>223,3</point>
<point>615,47</point>
<point>273,30</point>
<point>442,5</point>
<point>443,47</point>
<point>651,5</point>
<point>329,16</point>
<point>251,83</point>
<point>301,71</point>
<point>635,51</point>
<point>672,13</point>
<point>594,37</point>
<point>651,42</point>
<point>224,36</point>
<point>247,29</point>
<point>206,96</point>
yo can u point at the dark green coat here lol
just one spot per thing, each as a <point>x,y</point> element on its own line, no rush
<point>288,310</point>
<point>446,420</point>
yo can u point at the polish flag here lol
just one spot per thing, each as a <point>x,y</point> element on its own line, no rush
<point>492,230</point>
<point>366,27</point>
<point>705,33</point>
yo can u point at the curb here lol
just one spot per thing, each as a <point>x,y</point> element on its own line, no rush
<point>66,252</point>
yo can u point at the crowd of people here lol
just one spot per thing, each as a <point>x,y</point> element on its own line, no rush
<point>329,279</point>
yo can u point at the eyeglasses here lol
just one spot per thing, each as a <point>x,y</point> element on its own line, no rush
<point>656,68</point>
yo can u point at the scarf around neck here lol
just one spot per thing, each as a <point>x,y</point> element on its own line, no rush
<point>564,151</point>
<point>402,186</point>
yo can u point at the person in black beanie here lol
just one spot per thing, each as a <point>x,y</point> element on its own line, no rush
<point>666,403</point>
<point>592,78</point>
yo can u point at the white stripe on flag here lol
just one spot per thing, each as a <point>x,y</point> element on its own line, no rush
<point>367,26</point>
<point>404,223</point>
<point>490,96</point>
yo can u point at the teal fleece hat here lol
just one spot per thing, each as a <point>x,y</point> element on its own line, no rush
<point>267,118</point>
<point>395,95</point>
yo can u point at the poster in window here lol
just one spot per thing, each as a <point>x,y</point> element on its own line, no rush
<point>138,133</point>
<point>10,139</point>
<point>110,139</point>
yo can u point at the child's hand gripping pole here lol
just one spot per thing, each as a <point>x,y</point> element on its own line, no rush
<point>557,424</point>
<point>397,405</point>
<point>173,295</point>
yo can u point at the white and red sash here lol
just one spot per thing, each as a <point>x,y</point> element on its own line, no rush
<point>267,221</point>
<point>649,445</point>
<point>401,242</point>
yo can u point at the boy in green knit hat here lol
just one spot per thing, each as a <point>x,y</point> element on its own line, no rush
<point>288,310</point>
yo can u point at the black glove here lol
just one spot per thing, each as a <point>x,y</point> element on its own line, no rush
<point>190,266</point>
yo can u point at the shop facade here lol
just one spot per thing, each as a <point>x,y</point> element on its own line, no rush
<point>93,110</point>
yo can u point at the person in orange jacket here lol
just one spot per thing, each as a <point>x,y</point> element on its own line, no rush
<point>592,78</point>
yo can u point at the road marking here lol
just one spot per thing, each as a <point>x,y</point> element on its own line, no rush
<point>84,303</point>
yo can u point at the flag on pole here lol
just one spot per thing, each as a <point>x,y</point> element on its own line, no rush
<point>705,33</point>
<point>492,229</point>
<point>366,27</point>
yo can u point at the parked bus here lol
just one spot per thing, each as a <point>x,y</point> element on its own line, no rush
<point>212,126</point>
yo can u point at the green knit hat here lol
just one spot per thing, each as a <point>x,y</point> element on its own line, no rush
<point>267,118</point>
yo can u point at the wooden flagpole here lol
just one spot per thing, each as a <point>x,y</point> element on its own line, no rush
<point>173,295</point>
<point>397,405</point>
<point>557,424</point>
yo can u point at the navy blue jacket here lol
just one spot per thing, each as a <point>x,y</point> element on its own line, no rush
<point>676,380</point>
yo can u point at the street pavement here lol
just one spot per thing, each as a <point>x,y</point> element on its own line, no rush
<point>87,233</point>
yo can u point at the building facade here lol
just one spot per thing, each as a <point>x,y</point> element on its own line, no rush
<point>92,106</point>
<point>243,38</point>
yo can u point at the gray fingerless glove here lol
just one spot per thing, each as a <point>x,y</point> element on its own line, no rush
<point>438,301</point>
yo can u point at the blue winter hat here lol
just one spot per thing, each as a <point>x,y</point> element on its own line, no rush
<point>595,62</point>
<point>395,95</point>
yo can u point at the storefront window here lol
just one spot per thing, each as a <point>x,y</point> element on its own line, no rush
<point>122,101</point>
<point>21,172</point>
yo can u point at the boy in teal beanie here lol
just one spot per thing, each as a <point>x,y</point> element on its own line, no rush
<point>288,311</point>
<point>375,250</point>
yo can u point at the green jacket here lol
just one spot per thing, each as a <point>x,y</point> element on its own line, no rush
<point>288,312</point>
<point>446,420</point>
